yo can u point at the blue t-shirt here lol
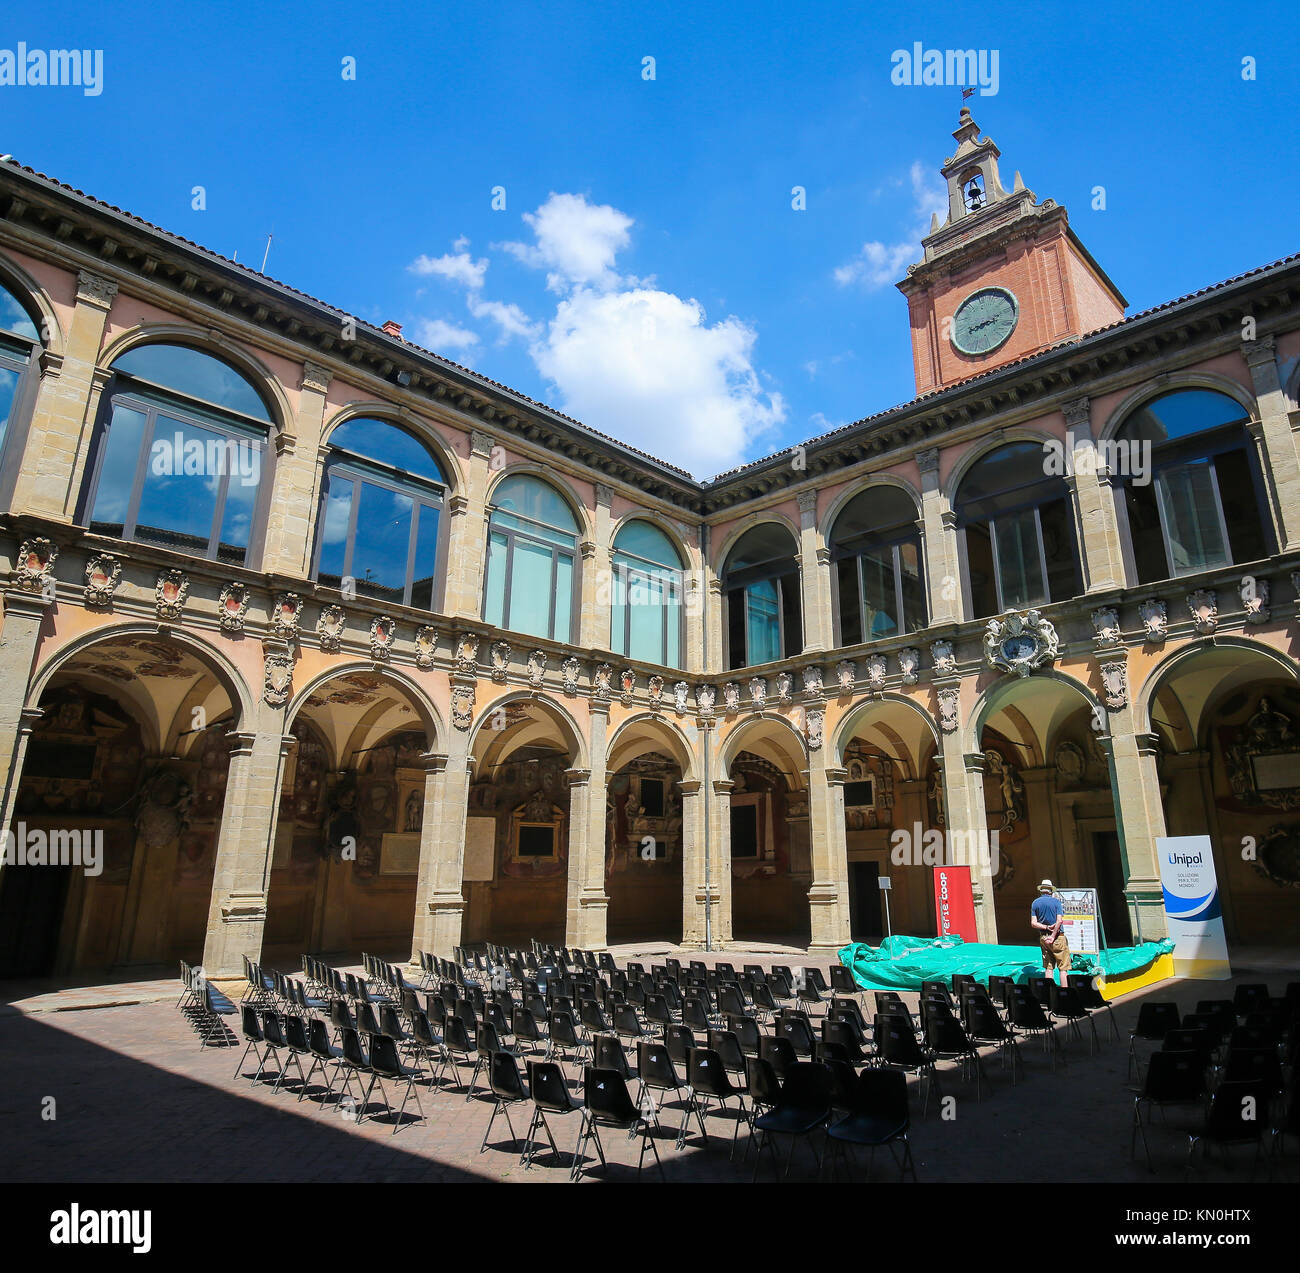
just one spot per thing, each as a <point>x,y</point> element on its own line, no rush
<point>1047,909</point>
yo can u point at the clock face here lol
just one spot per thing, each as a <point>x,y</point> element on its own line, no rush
<point>984,320</point>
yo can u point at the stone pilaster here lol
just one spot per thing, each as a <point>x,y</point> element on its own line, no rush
<point>1096,528</point>
<point>828,895</point>
<point>693,907</point>
<point>299,472</point>
<point>597,591</point>
<point>58,441</point>
<point>719,886</point>
<point>1276,442</point>
<point>441,837</point>
<point>939,542</point>
<point>467,535</point>
<point>245,843</point>
<point>23,615</point>
<point>815,578</point>
<point>587,903</point>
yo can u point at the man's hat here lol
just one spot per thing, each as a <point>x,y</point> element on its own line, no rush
<point>1047,887</point>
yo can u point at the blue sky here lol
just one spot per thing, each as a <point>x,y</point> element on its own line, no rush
<point>648,272</point>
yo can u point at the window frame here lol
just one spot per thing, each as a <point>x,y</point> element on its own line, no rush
<point>556,551</point>
<point>855,549</point>
<point>27,365</point>
<point>621,571</point>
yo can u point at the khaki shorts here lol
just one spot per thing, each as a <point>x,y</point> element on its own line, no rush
<point>1057,955</point>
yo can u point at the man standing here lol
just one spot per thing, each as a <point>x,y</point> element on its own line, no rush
<point>1047,915</point>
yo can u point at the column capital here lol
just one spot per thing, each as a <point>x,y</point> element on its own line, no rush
<point>1263,350</point>
<point>433,762</point>
<point>723,786</point>
<point>1078,414</point>
<point>577,777</point>
<point>604,495</point>
<point>928,461</point>
<point>807,501</point>
<point>316,377</point>
<point>95,289</point>
<point>836,777</point>
<point>480,443</point>
<point>973,762</point>
<point>689,787</point>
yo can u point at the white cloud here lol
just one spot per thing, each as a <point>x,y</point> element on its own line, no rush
<point>456,266</point>
<point>439,335</point>
<point>646,366</point>
<point>882,264</point>
<point>509,318</point>
<point>576,242</point>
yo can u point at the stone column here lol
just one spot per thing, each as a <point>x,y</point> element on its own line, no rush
<point>693,895</point>
<point>1092,500</point>
<point>299,472</point>
<point>714,652</point>
<point>58,440</point>
<point>720,862</point>
<point>1275,439</point>
<point>245,843</point>
<point>939,540</point>
<point>597,590</point>
<point>467,535</point>
<point>964,811</point>
<point>828,896</point>
<point>434,838</point>
<point>23,614</point>
<point>587,905</point>
<point>815,576</point>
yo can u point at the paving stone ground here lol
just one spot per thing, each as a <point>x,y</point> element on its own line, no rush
<point>137,1099</point>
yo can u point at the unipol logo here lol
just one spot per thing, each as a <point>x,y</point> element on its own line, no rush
<point>1184,859</point>
<point>75,1227</point>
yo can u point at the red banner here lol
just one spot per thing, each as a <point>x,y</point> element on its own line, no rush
<point>954,903</point>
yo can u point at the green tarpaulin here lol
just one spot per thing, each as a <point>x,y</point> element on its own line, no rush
<point>903,963</point>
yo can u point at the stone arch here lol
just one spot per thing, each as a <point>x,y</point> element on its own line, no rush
<point>1005,689</point>
<point>787,745</point>
<point>1171,382</point>
<point>402,681</point>
<point>20,282</point>
<point>577,506</point>
<point>623,746</point>
<point>852,490</point>
<point>986,446</point>
<point>559,716</point>
<point>402,418</point>
<point>743,526</point>
<point>858,717</point>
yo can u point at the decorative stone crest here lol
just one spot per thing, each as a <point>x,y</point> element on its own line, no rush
<point>1204,608</point>
<point>815,727</point>
<point>500,654</point>
<point>103,571</point>
<point>96,288</point>
<point>467,653</point>
<point>877,670</point>
<point>462,706</point>
<point>705,697</point>
<point>536,668</point>
<point>949,699</point>
<point>812,684</point>
<point>846,674</point>
<point>286,612</point>
<point>942,658</point>
<point>232,607</point>
<point>680,692</point>
<point>731,697</point>
<point>909,663</point>
<point>1020,643</point>
<point>383,632</point>
<point>277,682</point>
<point>758,692</point>
<point>784,687</point>
<point>170,593</point>
<point>1105,626</point>
<point>1254,595</point>
<point>656,692</point>
<point>602,683</point>
<point>1070,762</point>
<point>330,624</point>
<point>36,558</point>
<point>1155,621</point>
<point>1114,684</point>
<point>627,686</point>
<point>569,669</point>
<point>426,639</point>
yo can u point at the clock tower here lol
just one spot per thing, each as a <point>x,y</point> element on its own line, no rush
<point>1002,278</point>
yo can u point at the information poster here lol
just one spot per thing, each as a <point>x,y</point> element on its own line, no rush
<point>1080,923</point>
<point>1193,907</point>
<point>954,903</point>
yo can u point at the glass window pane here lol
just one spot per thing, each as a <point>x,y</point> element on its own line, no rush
<point>850,601</point>
<point>764,625</point>
<point>241,505</point>
<point>8,390</point>
<point>646,610</point>
<point>383,540</point>
<point>979,563</point>
<point>792,614</point>
<point>1020,571</point>
<point>534,499</point>
<point>618,616</point>
<point>14,318</point>
<point>494,592</point>
<point>673,649</point>
<point>183,479</point>
<point>1191,517</point>
<point>426,557</point>
<point>117,472</point>
<point>195,375</point>
<point>1146,533</point>
<point>914,607</point>
<point>530,590</point>
<point>644,540</point>
<point>881,599</point>
<point>1057,523</point>
<point>1243,510</point>
<point>334,531</point>
<point>379,440</point>
<point>736,628</point>
<point>563,598</point>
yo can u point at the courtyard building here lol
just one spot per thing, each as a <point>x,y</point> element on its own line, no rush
<point>315,640</point>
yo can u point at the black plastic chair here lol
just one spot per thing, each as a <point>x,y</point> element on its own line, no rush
<point>727,1046</point>
<point>325,1057</point>
<point>983,1025</point>
<point>273,1033</point>
<point>778,1053</point>
<point>805,1105</point>
<point>507,1089</point>
<point>252,1031</point>
<point>846,1036</point>
<point>679,1040</point>
<point>896,1045</point>
<point>748,1036</point>
<point>707,1081</point>
<point>1026,1013</point>
<point>842,982</point>
<point>799,1034</point>
<point>1172,1078</point>
<point>1237,1115</point>
<point>606,1103</point>
<point>657,1073</point>
<point>763,1086</point>
<point>947,1041</point>
<point>564,1037</point>
<point>607,1054</point>
<point>879,1116</point>
<point>385,1067</point>
<point>1065,1004</point>
<point>457,1046</point>
<point>549,1092</point>
<point>1092,998</point>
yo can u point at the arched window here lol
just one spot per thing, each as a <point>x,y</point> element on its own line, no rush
<point>1198,501</point>
<point>19,340</point>
<point>760,584</point>
<point>1019,533</point>
<point>179,456</point>
<point>532,553</point>
<point>646,618</point>
<point>380,516</point>
<point>876,556</point>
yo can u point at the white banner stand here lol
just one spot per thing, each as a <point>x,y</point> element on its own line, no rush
<point>1193,907</point>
